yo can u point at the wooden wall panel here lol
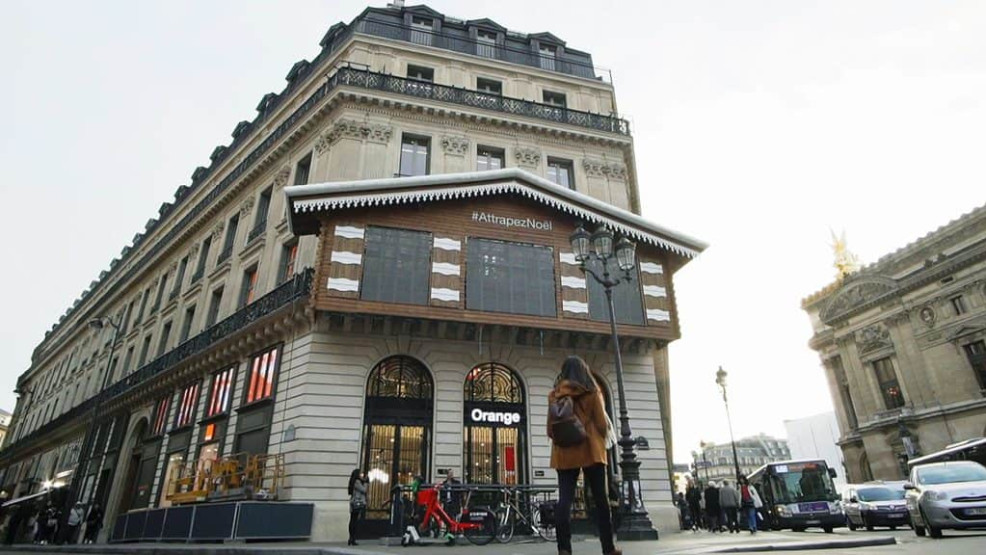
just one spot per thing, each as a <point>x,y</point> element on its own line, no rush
<point>499,218</point>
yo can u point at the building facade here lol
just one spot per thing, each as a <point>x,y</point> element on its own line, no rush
<point>715,461</point>
<point>817,437</point>
<point>903,345</point>
<point>4,424</point>
<point>375,273</point>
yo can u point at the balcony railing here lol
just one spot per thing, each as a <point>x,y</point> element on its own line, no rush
<point>284,295</point>
<point>354,77</point>
<point>257,230</point>
<point>224,254</point>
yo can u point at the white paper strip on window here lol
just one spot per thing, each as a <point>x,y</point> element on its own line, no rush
<point>568,258</point>
<point>447,244</point>
<point>442,294</point>
<point>658,315</point>
<point>346,257</point>
<point>655,291</point>
<point>575,306</point>
<point>349,232</point>
<point>445,268</point>
<point>343,284</point>
<point>573,282</point>
<point>651,268</point>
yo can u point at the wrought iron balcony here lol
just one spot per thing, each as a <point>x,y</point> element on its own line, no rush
<point>354,77</point>
<point>225,254</point>
<point>257,230</point>
<point>293,290</point>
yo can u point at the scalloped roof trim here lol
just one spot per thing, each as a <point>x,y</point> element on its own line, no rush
<point>379,192</point>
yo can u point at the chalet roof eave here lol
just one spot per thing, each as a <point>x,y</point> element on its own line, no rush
<point>313,198</point>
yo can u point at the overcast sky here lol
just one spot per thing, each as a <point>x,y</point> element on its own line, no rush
<point>759,126</point>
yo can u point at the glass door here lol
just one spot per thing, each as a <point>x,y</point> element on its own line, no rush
<point>395,455</point>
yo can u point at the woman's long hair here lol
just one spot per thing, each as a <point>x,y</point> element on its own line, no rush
<point>352,480</point>
<point>575,370</point>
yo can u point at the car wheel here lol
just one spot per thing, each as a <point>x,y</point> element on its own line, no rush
<point>893,528</point>
<point>933,531</point>
<point>919,531</point>
<point>797,529</point>
<point>828,529</point>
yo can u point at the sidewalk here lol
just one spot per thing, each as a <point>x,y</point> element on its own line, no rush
<point>685,543</point>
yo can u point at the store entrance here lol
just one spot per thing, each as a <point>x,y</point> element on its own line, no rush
<point>495,419</point>
<point>396,431</point>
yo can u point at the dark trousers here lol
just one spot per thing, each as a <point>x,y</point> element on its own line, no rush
<point>712,518</point>
<point>731,518</point>
<point>355,515</point>
<point>595,476</point>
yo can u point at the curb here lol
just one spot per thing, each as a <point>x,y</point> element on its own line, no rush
<point>185,549</point>
<point>806,546</point>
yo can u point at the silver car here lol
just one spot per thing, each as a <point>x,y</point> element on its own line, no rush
<point>946,495</point>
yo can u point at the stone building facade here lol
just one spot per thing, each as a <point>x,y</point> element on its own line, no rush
<point>372,274</point>
<point>715,461</point>
<point>903,345</point>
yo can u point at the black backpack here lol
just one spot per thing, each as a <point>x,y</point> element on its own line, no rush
<point>566,428</point>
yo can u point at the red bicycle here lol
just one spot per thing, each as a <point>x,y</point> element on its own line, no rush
<point>477,524</point>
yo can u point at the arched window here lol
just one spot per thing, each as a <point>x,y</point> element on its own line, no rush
<point>495,413</point>
<point>397,423</point>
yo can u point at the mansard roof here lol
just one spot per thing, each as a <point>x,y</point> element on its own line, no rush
<point>486,22</point>
<point>308,200</point>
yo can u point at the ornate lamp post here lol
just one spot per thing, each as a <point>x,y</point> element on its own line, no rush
<point>721,382</point>
<point>599,248</point>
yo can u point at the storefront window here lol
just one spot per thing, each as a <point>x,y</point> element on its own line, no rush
<point>494,447</point>
<point>171,474</point>
<point>627,304</point>
<point>396,266</point>
<point>397,429</point>
<point>510,277</point>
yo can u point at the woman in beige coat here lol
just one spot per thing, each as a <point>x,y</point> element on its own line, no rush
<point>587,457</point>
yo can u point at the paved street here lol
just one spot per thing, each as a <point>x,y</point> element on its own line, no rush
<point>686,544</point>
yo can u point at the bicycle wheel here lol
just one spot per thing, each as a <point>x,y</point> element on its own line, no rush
<point>484,526</point>
<point>505,521</point>
<point>545,530</point>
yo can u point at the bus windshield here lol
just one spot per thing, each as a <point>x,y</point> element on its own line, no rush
<point>801,482</point>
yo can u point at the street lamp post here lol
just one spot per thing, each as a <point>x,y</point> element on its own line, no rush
<point>599,247</point>
<point>90,437</point>
<point>721,382</point>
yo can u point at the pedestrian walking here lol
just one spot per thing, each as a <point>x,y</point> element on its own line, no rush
<point>729,499</point>
<point>684,515</point>
<point>94,521</point>
<point>75,516</point>
<point>357,503</point>
<point>580,433</point>
<point>712,507</point>
<point>693,494</point>
<point>750,501</point>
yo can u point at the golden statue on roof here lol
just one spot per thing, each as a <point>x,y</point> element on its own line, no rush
<point>845,261</point>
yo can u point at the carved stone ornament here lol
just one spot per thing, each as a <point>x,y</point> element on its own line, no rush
<point>855,294</point>
<point>193,251</point>
<point>601,168</point>
<point>928,316</point>
<point>246,207</point>
<point>281,177</point>
<point>530,157</point>
<point>217,232</point>
<point>872,338</point>
<point>455,145</point>
<point>378,133</point>
<point>352,129</point>
<point>173,267</point>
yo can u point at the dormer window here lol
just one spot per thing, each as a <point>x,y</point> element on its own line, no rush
<point>421,30</point>
<point>485,43</point>
<point>547,54</point>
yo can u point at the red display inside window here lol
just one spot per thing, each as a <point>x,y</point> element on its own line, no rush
<point>262,369</point>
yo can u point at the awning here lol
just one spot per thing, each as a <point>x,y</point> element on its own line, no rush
<point>25,498</point>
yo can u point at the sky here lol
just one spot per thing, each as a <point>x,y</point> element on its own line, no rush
<point>759,127</point>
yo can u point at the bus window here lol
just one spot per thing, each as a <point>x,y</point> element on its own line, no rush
<point>795,483</point>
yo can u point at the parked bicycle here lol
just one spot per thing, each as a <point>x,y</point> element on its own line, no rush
<point>477,524</point>
<point>509,515</point>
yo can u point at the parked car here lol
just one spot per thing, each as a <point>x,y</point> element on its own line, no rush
<point>875,504</point>
<point>946,495</point>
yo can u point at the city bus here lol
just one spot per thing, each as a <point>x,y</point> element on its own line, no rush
<point>797,495</point>
<point>968,450</point>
